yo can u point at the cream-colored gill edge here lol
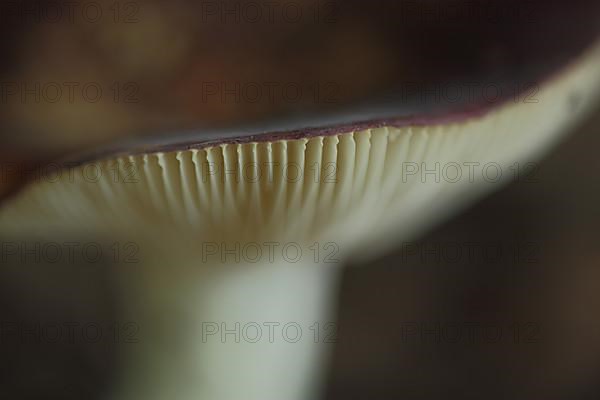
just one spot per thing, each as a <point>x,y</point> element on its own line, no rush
<point>363,190</point>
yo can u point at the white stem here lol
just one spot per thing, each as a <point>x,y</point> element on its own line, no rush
<point>228,332</point>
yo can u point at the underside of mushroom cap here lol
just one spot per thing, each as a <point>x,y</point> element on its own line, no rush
<point>354,186</point>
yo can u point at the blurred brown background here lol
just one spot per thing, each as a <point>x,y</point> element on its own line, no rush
<point>77,74</point>
<point>406,319</point>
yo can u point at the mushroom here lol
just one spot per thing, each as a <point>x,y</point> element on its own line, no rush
<point>241,235</point>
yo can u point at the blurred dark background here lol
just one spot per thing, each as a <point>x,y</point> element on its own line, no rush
<point>77,74</point>
<point>517,317</point>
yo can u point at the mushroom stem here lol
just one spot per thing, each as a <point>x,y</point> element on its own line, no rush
<point>227,331</point>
